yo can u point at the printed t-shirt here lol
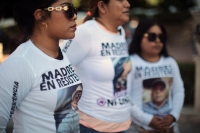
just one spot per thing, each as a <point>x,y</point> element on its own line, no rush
<point>38,91</point>
<point>102,62</point>
<point>156,88</point>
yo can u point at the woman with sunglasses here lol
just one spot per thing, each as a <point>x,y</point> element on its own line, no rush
<point>37,82</point>
<point>99,54</point>
<point>150,62</point>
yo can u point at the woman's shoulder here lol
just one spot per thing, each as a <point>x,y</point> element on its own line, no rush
<point>135,57</point>
<point>22,54</point>
<point>17,60</point>
<point>85,28</point>
<point>169,59</point>
<point>87,24</point>
<point>136,60</point>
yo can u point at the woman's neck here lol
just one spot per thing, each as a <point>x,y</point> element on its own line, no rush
<point>46,45</point>
<point>107,25</point>
<point>150,58</point>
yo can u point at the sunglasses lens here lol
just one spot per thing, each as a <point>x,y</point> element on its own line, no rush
<point>162,37</point>
<point>71,11</point>
<point>151,37</point>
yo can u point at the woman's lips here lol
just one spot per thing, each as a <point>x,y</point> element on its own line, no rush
<point>73,27</point>
<point>126,12</point>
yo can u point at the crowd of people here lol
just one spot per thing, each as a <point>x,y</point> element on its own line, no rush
<point>96,81</point>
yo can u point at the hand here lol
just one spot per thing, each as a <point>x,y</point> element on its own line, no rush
<point>155,123</point>
<point>74,105</point>
<point>167,121</point>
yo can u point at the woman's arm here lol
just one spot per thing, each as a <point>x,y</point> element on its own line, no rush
<point>15,82</point>
<point>177,92</point>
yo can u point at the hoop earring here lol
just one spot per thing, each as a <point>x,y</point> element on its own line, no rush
<point>45,27</point>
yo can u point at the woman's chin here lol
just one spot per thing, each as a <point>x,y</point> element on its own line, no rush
<point>71,36</point>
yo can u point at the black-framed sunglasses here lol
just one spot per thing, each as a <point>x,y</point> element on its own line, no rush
<point>69,10</point>
<point>153,36</point>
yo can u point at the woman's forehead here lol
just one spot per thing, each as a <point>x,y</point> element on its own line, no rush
<point>155,28</point>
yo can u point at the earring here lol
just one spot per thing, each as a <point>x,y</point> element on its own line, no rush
<point>45,26</point>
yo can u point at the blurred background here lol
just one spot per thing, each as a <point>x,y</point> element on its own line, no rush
<point>180,17</point>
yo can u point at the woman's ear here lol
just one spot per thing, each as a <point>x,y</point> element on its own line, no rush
<point>102,7</point>
<point>39,15</point>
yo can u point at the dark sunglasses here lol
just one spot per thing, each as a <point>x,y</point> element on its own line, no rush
<point>153,36</point>
<point>69,10</point>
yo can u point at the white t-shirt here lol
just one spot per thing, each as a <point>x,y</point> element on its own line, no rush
<point>102,62</point>
<point>38,89</point>
<point>146,80</point>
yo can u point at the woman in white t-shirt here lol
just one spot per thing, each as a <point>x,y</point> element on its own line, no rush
<point>99,55</point>
<point>155,81</point>
<point>38,86</point>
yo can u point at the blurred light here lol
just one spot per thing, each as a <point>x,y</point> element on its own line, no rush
<point>172,9</point>
<point>76,3</point>
<point>133,23</point>
<point>4,23</point>
<point>154,2</point>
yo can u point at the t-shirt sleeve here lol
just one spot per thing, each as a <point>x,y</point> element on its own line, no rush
<point>16,78</point>
<point>141,117</point>
<point>78,48</point>
<point>177,92</point>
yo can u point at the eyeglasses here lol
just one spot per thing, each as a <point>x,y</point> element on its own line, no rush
<point>69,10</point>
<point>153,36</point>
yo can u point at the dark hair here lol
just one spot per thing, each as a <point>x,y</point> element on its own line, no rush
<point>5,40</point>
<point>93,9</point>
<point>142,28</point>
<point>158,82</point>
<point>23,11</point>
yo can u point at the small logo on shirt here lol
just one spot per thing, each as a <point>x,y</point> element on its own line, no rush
<point>14,98</point>
<point>101,101</point>
<point>67,44</point>
<point>112,102</point>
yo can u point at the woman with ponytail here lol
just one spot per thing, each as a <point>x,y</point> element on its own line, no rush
<point>34,80</point>
<point>99,54</point>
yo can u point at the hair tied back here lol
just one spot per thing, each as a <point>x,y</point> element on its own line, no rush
<point>89,13</point>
